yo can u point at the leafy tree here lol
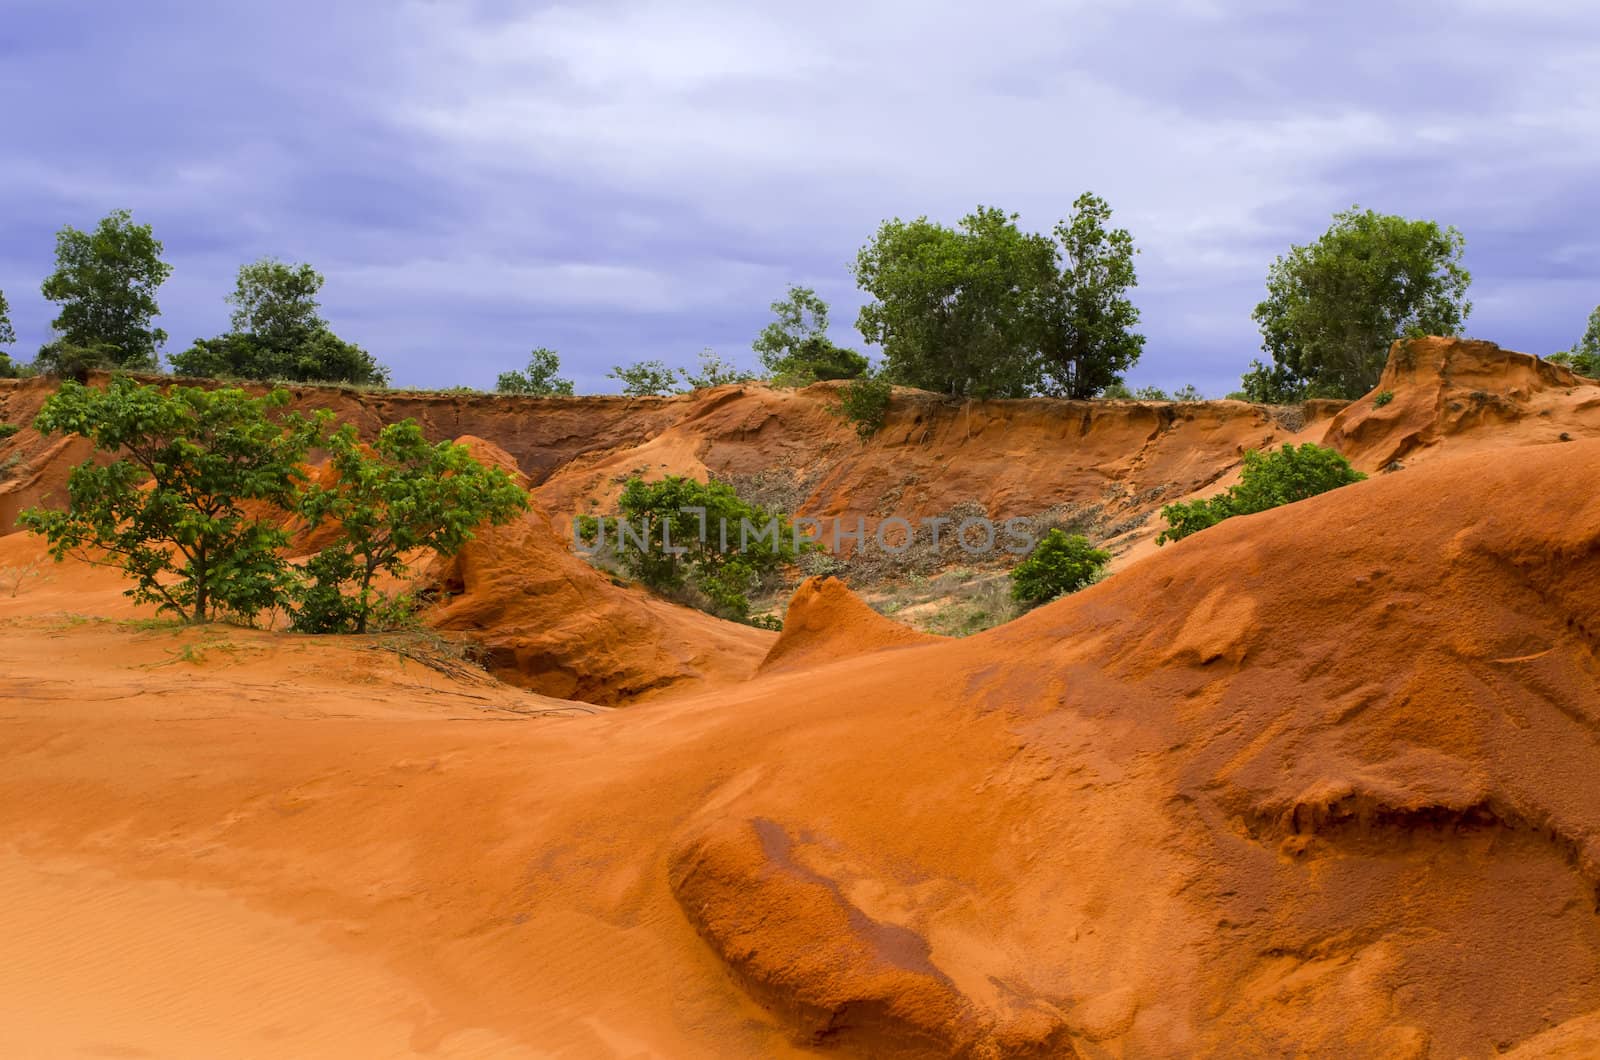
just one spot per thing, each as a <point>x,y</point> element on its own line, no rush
<point>1151,393</point>
<point>1333,307</point>
<point>645,378</point>
<point>68,360</point>
<point>279,334</point>
<point>1060,563</point>
<point>396,496</point>
<point>1188,393</point>
<point>795,349</point>
<point>7,337</point>
<point>714,371</point>
<point>540,380</point>
<point>1268,481</point>
<point>105,282</point>
<point>177,509</point>
<point>1584,357</point>
<point>957,310</point>
<point>1088,339</point>
<point>727,543</point>
<point>864,401</point>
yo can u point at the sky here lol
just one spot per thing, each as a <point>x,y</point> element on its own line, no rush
<point>629,180</point>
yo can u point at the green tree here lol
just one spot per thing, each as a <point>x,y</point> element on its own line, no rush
<point>645,378</point>
<point>105,282</point>
<point>540,380</point>
<point>957,311</point>
<point>1088,339</point>
<point>1334,307</point>
<point>714,371</point>
<point>278,333</point>
<point>1060,563</point>
<point>699,537</point>
<point>399,495</point>
<point>795,349</point>
<point>7,337</point>
<point>1269,479</point>
<point>177,509</point>
<point>1584,357</point>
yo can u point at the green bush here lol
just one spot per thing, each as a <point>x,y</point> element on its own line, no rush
<point>1268,481</point>
<point>864,401</point>
<point>1060,563</point>
<point>540,380</point>
<point>711,562</point>
<point>1382,398</point>
<point>7,430</point>
<point>645,378</point>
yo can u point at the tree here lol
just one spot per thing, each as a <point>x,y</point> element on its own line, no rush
<point>105,282</point>
<point>1268,481</point>
<point>957,310</point>
<point>399,495</point>
<point>1584,357</point>
<point>279,334</point>
<point>7,337</point>
<point>714,371</point>
<point>645,378</point>
<point>1334,307</point>
<point>701,537</point>
<point>540,380</point>
<point>795,349</point>
<point>1060,563</point>
<point>1089,339</point>
<point>178,508</point>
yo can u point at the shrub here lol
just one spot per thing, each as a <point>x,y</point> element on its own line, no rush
<point>1060,563</point>
<point>702,524</point>
<point>540,380</point>
<point>7,430</point>
<point>865,402</point>
<point>1382,398</point>
<point>645,378</point>
<point>171,510</point>
<point>714,371</point>
<point>396,496</point>
<point>1268,481</point>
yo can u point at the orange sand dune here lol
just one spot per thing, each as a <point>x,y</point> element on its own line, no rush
<point>1320,781</point>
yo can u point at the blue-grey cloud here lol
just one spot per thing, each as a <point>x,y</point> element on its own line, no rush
<point>633,179</point>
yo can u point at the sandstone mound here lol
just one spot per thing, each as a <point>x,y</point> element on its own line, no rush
<point>826,622</point>
<point>549,622</point>
<point>1464,395</point>
<point>1322,780</point>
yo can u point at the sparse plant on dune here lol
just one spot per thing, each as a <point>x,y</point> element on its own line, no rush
<point>1060,563</point>
<point>1268,481</point>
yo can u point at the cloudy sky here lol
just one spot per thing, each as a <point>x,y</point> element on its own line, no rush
<point>623,180</point>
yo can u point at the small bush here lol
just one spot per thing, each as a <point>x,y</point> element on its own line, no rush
<point>540,380</point>
<point>7,430</point>
<point>714,371</point>
<point>1268,481</point>
<point>864,401</point>
<point>1059,564</point>
<point>645,378</point>
<point>1382,398</point>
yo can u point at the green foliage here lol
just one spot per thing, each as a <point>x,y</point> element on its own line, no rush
<point>105,282</point>
<point>1060,563</point>
<point>795,349</point>
<point>957,311</point>
<point>645,378</point>
<point>396,496</point>
<point>714,371</point>
<point>174,509</point>
<point>68,360</point>
<point>8,335</point>
<point>1117,391</point>
<point>1334,307</point>
<point>1269,479</point>
<point>864,401</point>
<point>7,430</point>
<point>1188,393</point>
<point>1088,339</point>
<point>720,560</point>
<point>540,380</point>
<point>1382,398</point>
<point>1584,357</point>
<point>1151,393</point>
<point>278,334</point>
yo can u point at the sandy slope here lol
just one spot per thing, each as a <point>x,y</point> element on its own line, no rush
<point>1320,779</point>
